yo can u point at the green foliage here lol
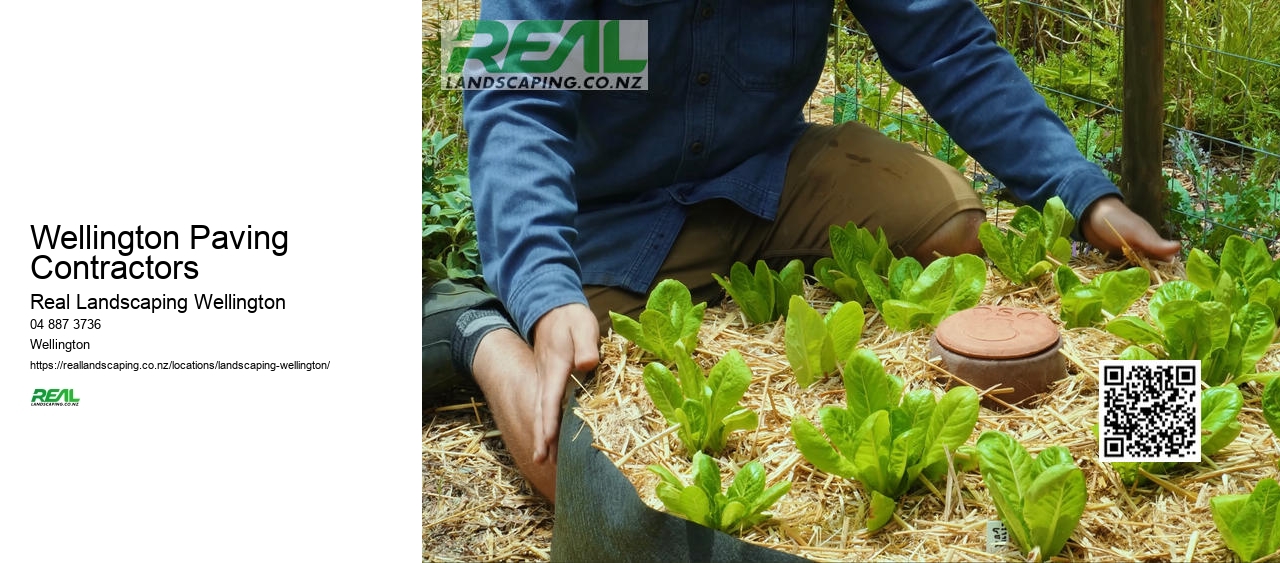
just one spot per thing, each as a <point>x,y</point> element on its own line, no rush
<point>1271,405</point>
<point>884,439</point>
<point>1032,243</point>
<point>1245,273</point>
<point>1228,202</point>
<point>851,245</point>
<point>441,108</point>
<point>1220,77</point>
<point>1214,79</point>
<point>875,106</point>
<point>763,296</point>
<point>1227,96</point>
<point>668,326</point>
<point>1248,523</point>
<point>1190,325</point>
<point>1219,417</point>
<point>1089,71</point>
<point>704,405</point>
<point>816,344</point>
<point>911,296</point>
<point>1039,500</point>
<point>1083,304</point>
<point>448,223</point>
<point>740,507</point>
<point>1098,142</point>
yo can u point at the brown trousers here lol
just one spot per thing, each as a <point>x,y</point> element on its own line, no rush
<point>836,174</point>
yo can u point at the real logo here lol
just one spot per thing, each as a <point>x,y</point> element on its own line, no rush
<point>63,397</point>
<point>544,54</point>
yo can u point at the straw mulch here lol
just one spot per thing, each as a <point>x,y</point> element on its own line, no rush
<point>475,506</point>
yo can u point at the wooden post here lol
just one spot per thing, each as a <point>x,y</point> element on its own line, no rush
<point>1143,140</point>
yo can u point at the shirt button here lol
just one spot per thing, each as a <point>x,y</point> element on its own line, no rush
<point>706,11</point>
<point>703,79</point>
<point>696,147</point>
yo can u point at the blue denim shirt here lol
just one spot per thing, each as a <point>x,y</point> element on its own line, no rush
<point>576,187</point>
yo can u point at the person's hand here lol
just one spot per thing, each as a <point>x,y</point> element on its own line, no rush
<point>566,340</point>
<point>1108,219</point>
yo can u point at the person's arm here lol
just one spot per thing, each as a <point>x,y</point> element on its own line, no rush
<point>521,182</point>
<point>945,52</point>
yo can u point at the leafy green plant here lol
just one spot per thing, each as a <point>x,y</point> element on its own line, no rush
<point>1248,523</point>
<point>1227,203</point>
<point>1098,142</point>
<point>668,326</point>
<point>1246,273</point>
<point>884,439</point>
<point>881,108</point>
<point>449,247</point>
<point>1039,500</point>
<point>704,405</point>
<point>816,344</point>
<point>851,245</point>
<point>741,506</point>
<point>1189,325</point>
<point>1219,424</point>
<point>763,296</point>
<point>1083,304</point>
<point>1271,405</point>
<point>1032,244</point>
<point>912,296</point>
<point>909,126</point>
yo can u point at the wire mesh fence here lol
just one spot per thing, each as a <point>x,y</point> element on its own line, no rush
<point>1222,128</point>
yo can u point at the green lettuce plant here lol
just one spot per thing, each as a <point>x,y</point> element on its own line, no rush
<point>704,405</point>
<point>1271,405</point>
<point>1248,523</point>
<point>1190,325</point>
<point>817,344</point>
<point>668,326</point>
<point>741,506</point>
<point>912,296</point>
<point>1032,243</point>
<point>850,246</point>
<point>1083,304</point>
<point>763,296</point>
<point>1245,273</point>
<point>1040,500</point>
<point>884,439</point>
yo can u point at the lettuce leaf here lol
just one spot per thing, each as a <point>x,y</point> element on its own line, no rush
<point>1039,500</point>
<point>763,295</point>
<point>668,327</point>
<point>884,439</point>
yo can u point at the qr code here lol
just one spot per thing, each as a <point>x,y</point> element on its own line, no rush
<point>1149,410</point>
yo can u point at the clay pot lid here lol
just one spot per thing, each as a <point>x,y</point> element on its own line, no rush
<point>995,332</point>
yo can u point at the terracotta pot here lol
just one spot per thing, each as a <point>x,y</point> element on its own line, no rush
<point>1012,349</point>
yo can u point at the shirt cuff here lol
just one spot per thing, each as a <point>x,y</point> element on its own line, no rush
<point>537,294</point>
<point>1079,190</point>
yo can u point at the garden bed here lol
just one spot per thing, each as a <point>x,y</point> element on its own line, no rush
<point>823,516</point>
<point>476,507</point>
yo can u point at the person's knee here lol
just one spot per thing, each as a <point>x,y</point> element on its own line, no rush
<point>958,235</point>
